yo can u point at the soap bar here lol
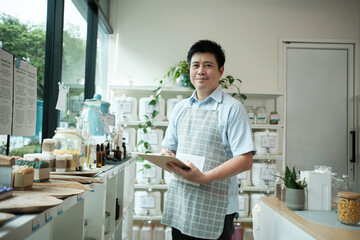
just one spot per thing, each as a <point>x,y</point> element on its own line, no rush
<point>23,176</point>
<point>41,168</point>
<point>5,192</point>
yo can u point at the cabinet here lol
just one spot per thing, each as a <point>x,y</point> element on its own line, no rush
<point>272,101</point>
<point>83,216</point>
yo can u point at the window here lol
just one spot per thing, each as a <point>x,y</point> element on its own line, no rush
<point>101,62</point>
<point>23,33</point>
<point>73,61</point>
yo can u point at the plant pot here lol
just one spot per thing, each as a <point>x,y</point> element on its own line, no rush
<point>184,80</point>
<point>295,199</point>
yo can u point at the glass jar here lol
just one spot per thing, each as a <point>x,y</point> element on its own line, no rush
<point>278,183</point>
<point>261,115</point>
<point>274,118</point>
<point>67,141</point>
<point>349,208</point>
<point>334,190</point>
<point>250,113</point>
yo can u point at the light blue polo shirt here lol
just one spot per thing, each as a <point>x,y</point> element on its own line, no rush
<point>233,125</point>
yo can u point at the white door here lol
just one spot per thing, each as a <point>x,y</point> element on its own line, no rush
<point>319,106</point>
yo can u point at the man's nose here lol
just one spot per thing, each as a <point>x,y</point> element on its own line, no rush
<point>201,70</point>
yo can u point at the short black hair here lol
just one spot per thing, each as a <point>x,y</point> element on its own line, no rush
<point>207,46</point>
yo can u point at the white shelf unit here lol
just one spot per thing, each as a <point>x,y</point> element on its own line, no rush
<point>67,220</point>
<point>273,101</point>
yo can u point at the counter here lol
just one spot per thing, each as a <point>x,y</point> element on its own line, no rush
<point>277,222</point>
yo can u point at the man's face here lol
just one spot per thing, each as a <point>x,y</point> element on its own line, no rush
<point>204,72</point>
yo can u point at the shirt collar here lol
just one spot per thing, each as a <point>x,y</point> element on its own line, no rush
<point>216,95</point>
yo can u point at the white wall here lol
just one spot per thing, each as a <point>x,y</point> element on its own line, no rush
<point>150,36</point>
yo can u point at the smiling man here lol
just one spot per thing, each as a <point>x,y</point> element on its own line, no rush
<point>210,131</point>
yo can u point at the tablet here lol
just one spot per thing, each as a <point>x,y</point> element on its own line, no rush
<point>161,161</point>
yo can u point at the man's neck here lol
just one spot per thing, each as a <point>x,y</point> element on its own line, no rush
<point>201,95</point>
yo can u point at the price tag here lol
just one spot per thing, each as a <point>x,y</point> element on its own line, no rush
<point>48,216</point>
<point>35,223</point>
<point>59,210</point>
<point>79,197</point>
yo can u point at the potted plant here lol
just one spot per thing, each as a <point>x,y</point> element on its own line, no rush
<point>228,81</point>
<point>295,190</point>
<point>180,73</point>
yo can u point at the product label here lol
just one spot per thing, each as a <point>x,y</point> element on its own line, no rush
<point>147,202</point>
<point>267,173</point>
<point>151,138</point>
<point>261,116</point>
<point>241,204</point>
<point>150,108</point>
<point>124,107</point>
<point>48,216</point>
<point>35,223</point>
<point>251,115</point>
<point>274,117</point>
<point>268,141</point>
<point>59,210</point>
<point>150,172</point>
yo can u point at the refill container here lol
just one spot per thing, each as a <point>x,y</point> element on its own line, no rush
<point>130,139</point>
<point>154,137</point>
<point>263,173</point>
<point>147,203</point>
<point>244,178</point>
<point>170,104</point>
<point>168,235</point>
<point>243,199</point>
<point>135,232</point>
<point>145,233</point>
<point>318,190</point>
<point>158,233</point>
<point>349,208</point>
<point>261,115</point>
<point>251,113</point>
<point>255,199</point>
<point>146,109</point>
<point>266,142</point>
<point>125,108</point>
<point>150,175</point>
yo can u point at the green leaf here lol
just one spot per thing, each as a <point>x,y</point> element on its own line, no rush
<point>140,159</point>
<point>155,113</point>
<point>147,166</point>
<point>243,96</point>
<point>140,125</point>
<point>148,123</point>
<point>145,130</point>
<point>148,152</point>
<point>152,102</point>
<point>140,142</point>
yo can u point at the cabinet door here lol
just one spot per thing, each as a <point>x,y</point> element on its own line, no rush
<point>319,106</point>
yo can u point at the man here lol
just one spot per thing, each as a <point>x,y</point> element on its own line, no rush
<point>210,131</point>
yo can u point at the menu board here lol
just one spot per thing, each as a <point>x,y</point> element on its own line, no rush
<point>18,94</point>
<point>25,94</point>
<point>6,91</point>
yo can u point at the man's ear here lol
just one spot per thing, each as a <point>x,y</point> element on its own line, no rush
<point>221,71</point>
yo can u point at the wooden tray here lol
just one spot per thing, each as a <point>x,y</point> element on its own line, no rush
<point>84,173</point>
<point>4,217</point>
<point>63,184</point>
<point>79,179</point>
<point>49,191</point>
<point>28,203</point>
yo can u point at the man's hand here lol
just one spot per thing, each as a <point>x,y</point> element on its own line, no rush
<point>193,174</point>
<point>166,152</point>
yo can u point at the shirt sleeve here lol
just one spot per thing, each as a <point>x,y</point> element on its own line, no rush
<point>239,131</point>
<point>170,140</point>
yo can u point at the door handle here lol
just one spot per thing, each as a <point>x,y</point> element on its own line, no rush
<point>353,139</point>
